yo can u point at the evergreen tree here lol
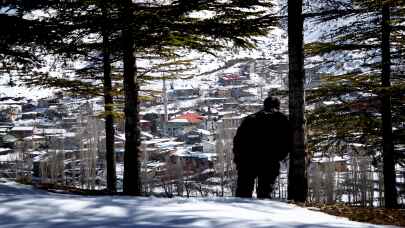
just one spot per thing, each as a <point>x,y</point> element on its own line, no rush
<point>80,24</point>
<point>390,191</point>
<point>297,175</point>
<point>108,102</point>
<point>22,44</point>
<point>81,20</point>
<point>354,119</point>
<point>132,179</point>
<point>172,25</point>
<point>146,27</point>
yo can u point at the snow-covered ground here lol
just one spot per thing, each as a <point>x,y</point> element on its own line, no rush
<point>22,206</point>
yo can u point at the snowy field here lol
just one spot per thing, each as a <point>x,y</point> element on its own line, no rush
<point>22,206</point>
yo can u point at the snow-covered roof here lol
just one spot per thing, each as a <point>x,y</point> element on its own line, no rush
<point>204,132</point>
<point>37,153</point>
<point>33,137</point>
<point>325,159</point>
<point>155,164</point>
<point>214,98</point>
<point>222,113</point>
<point>157,140</point>
<point>169,144</point>
<point>50,131</point>
<point>178,121</point>
<point>11,102</point>
<point>22,128</point>
<point>29,113</point>
<point>356,144</point>
<point>331,102</point>
<point>146,134</point>
<point>185,152</point>
<point>5,149</point>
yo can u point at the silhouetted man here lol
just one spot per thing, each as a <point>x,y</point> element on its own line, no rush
<point>262,140</point>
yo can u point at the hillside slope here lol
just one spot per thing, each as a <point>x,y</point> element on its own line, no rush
<point>22,206</point>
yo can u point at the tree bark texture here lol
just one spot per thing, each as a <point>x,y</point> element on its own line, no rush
<point>108,107</point>
<point>131,182</point>
<point>390,191</point>
<point>297,175</point>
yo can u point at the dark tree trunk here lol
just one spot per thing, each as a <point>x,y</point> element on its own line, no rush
<point>297,175</point>
<point>108,107</point>
<point>132,182</point>
<point>390,192</point>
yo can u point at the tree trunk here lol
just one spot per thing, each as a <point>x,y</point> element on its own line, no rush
<point>132,182</point>
<point>297,176</point>
<point>390,192</point>
<point>108,107</point>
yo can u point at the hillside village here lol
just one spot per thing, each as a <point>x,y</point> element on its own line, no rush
<point>186,144</point>
<point>187,128</point>
<point>59,139</point>
<point>128,113</point>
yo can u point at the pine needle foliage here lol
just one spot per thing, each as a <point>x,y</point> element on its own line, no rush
<point>351,108</point>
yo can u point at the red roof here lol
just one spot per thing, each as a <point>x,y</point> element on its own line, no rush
<point>228,77</point>
<point>191,117</point>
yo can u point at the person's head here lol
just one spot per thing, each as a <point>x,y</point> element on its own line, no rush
<point>271,103</point>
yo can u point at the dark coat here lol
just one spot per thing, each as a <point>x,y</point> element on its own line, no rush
<point>261,139</point>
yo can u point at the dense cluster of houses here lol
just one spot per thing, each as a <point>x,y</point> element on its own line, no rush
<point>186,133</point>
<point>55,139</point>
<point>57,129</point>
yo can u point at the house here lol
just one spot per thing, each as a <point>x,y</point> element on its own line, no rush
<point>155,168</point>
<point>4,116</point>
<point>34,141</point>
<point>251,107</point>
<point>338,163</point>
<point>191,162</point>
<point>192,138</point>
<point>223,92</point>
<point>230,79</point>
<point>196,136</point>
<point>205,134</point>
<point>230,106</point>
<point>3,130</point>
<point>54,113</point>
<point>159,148</point>
<point>8,141</point>
<point>69,122</point>
<point>22,131</point>
<point>158,113</point>
<point>5,127</point>
<point>185,123</point>
<point>46,102</point>
<point>183,93</point>
<point>209,147</point>
<point>4,151</point>
<point>209,101</point>
<point>30,115</point>
<point>146,125</point>
<point>245,69</point>
<point>50,131</point>
<point>236,91</point>
<point>9,113</point>
<point>28,107</point>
